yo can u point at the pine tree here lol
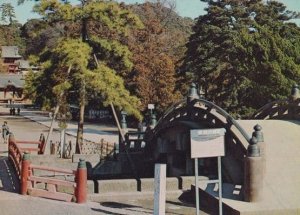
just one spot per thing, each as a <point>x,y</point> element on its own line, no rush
<point>244,53</point>
<point>83,61</point>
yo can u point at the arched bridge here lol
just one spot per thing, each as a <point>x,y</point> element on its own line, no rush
<point>169,140</point>
<point>287,109</point>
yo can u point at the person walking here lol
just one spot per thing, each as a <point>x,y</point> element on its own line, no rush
<point>5,132</point>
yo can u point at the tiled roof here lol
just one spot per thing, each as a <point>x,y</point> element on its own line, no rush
<point>10,52</point>
<point>23,64</point>
<point>12,80</point>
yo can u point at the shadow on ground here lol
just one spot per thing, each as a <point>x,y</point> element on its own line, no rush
<point>8,179</point>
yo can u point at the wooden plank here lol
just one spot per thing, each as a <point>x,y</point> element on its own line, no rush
<point>53,169</point>
<point>52,181</point>
<point>50,195</point>
<point>28,142</point>
<point>29,149</point>
<point>51,188</point>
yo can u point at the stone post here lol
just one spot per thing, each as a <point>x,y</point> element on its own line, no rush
<point>62,142</point>
<point>52,148</point>
<point>153,121</point>
<point>42,144</point>
<point>81,182</point>
<point>160,189</point>
<point>253,176</point>
<point>258,134</point>
<point>292,108</point>
<point>192,94</point>
<point>25,173</point>
<point>124,130</point>
<point>295,93</point>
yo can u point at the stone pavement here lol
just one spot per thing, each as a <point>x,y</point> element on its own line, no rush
<point>14,204</point>
<point>92,131</point>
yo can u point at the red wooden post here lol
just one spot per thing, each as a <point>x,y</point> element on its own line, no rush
<point>81,182</point>
<point>25,172</point>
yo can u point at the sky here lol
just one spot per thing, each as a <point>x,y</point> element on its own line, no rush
<point>185,8</point>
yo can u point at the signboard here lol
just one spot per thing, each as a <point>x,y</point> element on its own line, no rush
<point>207,143</point>
<point>150,106</point>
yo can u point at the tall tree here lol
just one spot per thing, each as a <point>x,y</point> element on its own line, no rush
<point>10,34</point>
<point>153,76</point>
<point>244,53</point>
<point>89,63</point>
<point>7,13</point>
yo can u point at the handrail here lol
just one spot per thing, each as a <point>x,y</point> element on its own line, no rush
<point>53,169</point>
<point>268,105</point>
<point>14,153</point>
<point>28,142</point>
<point>211,105</point>
<point>226,115</point>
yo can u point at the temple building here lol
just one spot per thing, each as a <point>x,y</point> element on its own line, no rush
<point>11,88</point>
<point>10,56</point>
<point>12,75</point>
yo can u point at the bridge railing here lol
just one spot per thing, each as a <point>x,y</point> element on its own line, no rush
<point>46,185</point>
<point>15,155</point>
<point>32,146</point>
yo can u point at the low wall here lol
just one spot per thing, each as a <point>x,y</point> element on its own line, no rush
<point>142,185</point>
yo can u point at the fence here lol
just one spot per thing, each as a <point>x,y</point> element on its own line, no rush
<point>103,148</point>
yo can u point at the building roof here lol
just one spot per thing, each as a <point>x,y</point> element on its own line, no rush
<point>12,80</point>
<point>10,52</point>
<point>23,64</point>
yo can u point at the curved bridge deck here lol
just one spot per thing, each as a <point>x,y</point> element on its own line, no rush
<point>282,176</point>
<point>8,179</point>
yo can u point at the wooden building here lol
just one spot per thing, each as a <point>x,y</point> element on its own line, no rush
<point>11,88</point>
<point>10,55</point>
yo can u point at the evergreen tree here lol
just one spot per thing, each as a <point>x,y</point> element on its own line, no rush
<point>10,33</point>
<point>7,13</point>
<point>244,53</point>
<point>81,60</point>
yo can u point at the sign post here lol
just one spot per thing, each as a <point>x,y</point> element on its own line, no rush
<point>208,143</point>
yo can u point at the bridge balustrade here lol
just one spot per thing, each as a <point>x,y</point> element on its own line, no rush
<point>40,181</point>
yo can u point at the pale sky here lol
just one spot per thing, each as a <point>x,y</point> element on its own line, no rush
<point>185,8</point>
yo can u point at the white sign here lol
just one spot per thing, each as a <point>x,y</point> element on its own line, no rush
<point>150,106</point>
<point>207,143</point>
<point>160,189</point>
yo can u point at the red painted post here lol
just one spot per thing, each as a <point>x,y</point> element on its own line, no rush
<point>81,182</point>
<point>25,172</point>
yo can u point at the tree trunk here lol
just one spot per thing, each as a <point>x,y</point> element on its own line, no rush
<point>79,138</point>
<point>56,110</point>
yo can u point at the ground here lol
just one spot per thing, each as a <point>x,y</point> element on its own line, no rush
<point>12,203</point>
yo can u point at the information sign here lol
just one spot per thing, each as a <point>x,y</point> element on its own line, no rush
<point>207,143</point>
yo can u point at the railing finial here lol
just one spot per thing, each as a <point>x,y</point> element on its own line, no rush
<point>192,94</point>
<point>258,134</point>
<point>295,93</point>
